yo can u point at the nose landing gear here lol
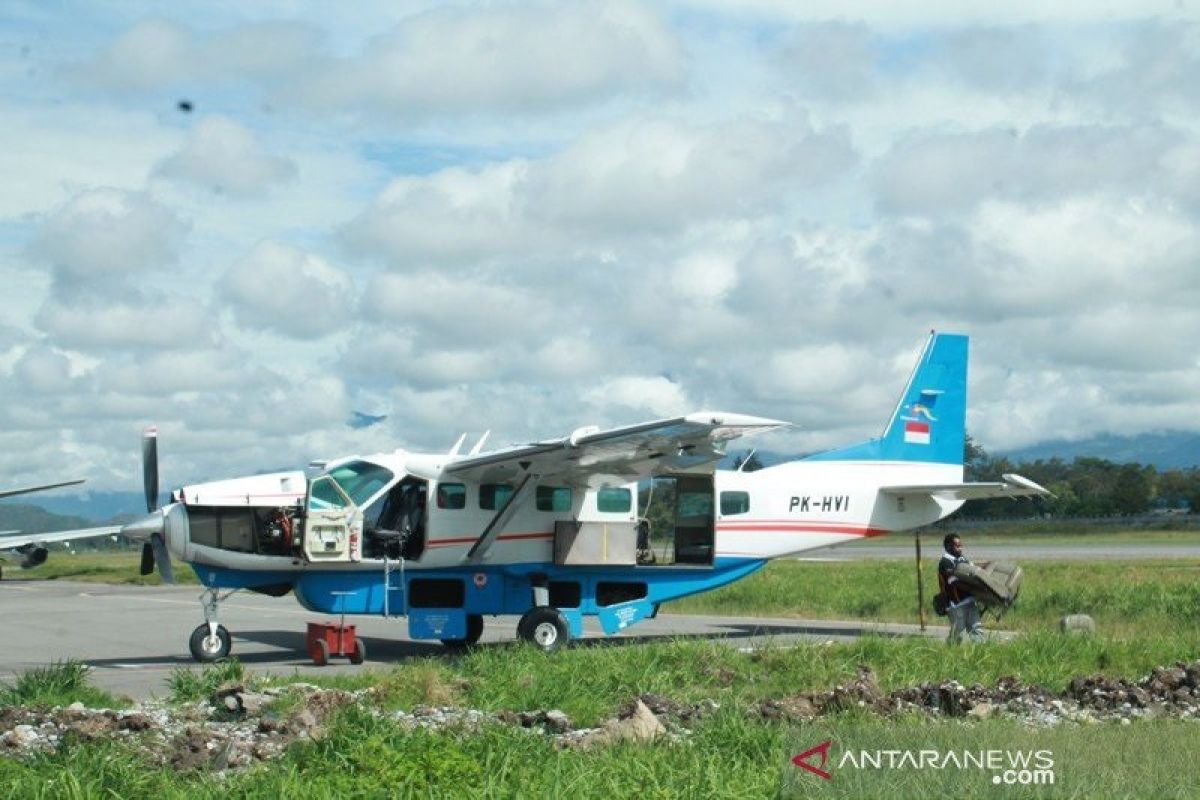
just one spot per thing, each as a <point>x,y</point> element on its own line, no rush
<point>211,641</point>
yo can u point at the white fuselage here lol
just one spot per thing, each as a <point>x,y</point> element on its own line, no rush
<point>773,512</point>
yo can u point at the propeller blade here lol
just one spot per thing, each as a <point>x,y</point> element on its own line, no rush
<point>150,466</point>
<point>147,560</point>
<point>162,558</point>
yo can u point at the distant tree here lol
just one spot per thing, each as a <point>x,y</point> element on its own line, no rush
<point>748,462</point>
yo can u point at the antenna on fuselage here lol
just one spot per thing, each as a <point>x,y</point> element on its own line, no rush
<point>457,445</point>
<point>479,445</point>
<point>746,460</point>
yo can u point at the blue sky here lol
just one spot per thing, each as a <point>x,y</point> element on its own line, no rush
<point>529,217</point>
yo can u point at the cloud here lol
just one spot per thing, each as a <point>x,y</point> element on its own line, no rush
<point>140,324</point>
<point>502,59</point>
<point>283,289</point>
<point>458,312</point>
<point>635,178</point>
<point>834,61</point>
<point>655,395</point>
<point>940,173</point>
<point>157,54</point>
<point>102,235</point>
<point>223,155</point>
<point>43,371</point>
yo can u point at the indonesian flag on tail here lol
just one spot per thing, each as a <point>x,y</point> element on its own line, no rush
<point>916,432</point>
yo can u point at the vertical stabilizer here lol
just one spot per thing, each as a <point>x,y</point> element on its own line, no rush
<point>929,423</point>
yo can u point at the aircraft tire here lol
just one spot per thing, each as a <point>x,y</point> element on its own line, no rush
<point>545,628</point>
<point>474,631</point>
<point>204,649</point>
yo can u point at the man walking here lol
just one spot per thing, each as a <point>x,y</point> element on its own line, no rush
<point>960,603</point>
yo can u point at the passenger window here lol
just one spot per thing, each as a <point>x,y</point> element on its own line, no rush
<point>494,495</point>
<point>553,498</point>
<point>451,495</point>
<point>325,495</point>
<point>735,502</point>
<point>614,500</point>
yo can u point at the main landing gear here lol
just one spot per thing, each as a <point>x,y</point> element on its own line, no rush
<point>211,641</point>
<point>545,628</point>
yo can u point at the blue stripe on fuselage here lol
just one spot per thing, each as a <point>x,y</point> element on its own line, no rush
<point>492,589</point>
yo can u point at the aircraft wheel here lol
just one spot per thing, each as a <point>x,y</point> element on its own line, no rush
<point>320,652</point>
<point>545,628</point>
<point>207,648</point>
<point>474,631</point>
<point>360,652</point>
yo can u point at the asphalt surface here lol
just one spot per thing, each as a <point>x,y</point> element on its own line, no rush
<point>135,636</point>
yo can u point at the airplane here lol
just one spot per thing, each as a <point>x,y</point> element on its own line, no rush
<point>32,547</point>
<point>550,531</point>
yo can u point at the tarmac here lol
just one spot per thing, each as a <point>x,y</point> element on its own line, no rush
<point>134,637</point>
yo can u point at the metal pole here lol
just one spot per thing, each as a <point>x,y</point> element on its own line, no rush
<point>920,582</point>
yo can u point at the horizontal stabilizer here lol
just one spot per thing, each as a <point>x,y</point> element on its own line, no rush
<point>1010,486</point>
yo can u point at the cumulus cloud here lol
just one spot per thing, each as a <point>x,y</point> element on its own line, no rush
<point>835,61</point>
<point>223,155</point>
<point>502,58</point>
<point>283,289</point>
<point>453,312</point>
<point>41,370</point>
<point>656,395</point>
<point>138,324</point>
<point>104,234</point>
<point>156,54</point>
<point>636,178</point>
<point>947,173</point>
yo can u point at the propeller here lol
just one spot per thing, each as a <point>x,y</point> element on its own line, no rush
<point>154,550</point>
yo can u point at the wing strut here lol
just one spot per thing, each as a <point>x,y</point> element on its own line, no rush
<point>480,549</point>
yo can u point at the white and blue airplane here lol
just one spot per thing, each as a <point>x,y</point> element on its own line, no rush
<point>550,531</point>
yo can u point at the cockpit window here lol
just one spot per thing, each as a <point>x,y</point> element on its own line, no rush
<point>324,495</point>
<point>361,480</point>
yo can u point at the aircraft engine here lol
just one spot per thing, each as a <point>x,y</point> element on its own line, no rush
<point>32,556</point>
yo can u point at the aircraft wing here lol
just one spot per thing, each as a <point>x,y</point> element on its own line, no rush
<point>11,541</point>
<point>29,489</point>
<point>590,455</point>
<point>1010,486</point>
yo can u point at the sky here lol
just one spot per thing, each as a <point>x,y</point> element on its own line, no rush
<point>245,222</point>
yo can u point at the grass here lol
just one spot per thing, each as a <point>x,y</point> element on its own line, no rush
<point>1123,597</point>
<point>112,567</point>
<point>1148,614</point>
<point>59,684</point>
<point>727,756</point>
<point>187,684</point>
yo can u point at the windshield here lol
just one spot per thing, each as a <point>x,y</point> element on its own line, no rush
<point>361,480</point>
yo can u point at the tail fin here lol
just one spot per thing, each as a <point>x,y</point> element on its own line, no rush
<point>929,423</point>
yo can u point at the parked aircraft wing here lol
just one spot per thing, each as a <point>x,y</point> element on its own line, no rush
<point>626,453</point>
<point>1011,486</point>
<point>29,489</point>
<point>11,542</point>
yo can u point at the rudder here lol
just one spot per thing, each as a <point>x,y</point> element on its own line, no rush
<point>929,422</point>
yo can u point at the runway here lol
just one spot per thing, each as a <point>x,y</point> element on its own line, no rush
<point>134,636</point>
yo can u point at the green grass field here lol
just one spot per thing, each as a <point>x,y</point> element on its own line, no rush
<point>1148,613</point>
